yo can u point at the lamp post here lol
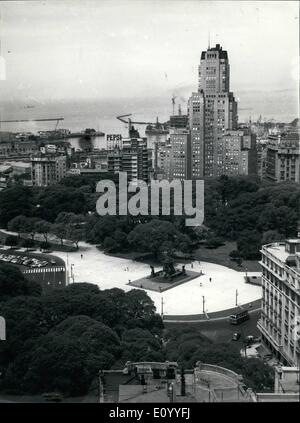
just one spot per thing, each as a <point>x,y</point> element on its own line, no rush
<point>72,273</point>
<point>203,304</point>
<point>236,297</point>
<point>162,308</point>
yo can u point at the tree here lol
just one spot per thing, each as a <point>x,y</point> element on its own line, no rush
<point>43,227</point>
<point>75,234</point>
<point>213,241</point>
<point>13,283</point>
<point>15,201</point>
<point>57,198</point>
<point>60,231</point>
<point>27,243</point>
<point>11,241</point>
<point>110,244</point>
<point>69,356</point>
<point>45,245</point>
<point>271,236</point>
<point>120,238</point>
<point>140,344</point>
<point>249,245</point>
<point>155,236</point>
<point>30,226</point>
<point>17,224</point>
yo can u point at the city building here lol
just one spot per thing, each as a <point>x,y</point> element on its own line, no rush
<point>113,141</point>
<point>281,299</point>
<point>283,158</point>
<point>261,149</point>
<point>239,154</point>
<point>177,161</point>
<point>133,158</point>
<point>19,167</point>
<point>196,113</point>
<point>48,169</point>
<point>179,121</point>
<point>215,111</point>
<point>12,171</point>
<point>6,136</point>
<point>17,148</point>
<point>5,174</point>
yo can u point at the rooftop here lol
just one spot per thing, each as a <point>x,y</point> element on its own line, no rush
<point>222,53</point>
<point>277,249</point>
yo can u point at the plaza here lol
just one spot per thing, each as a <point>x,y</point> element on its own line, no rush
<point>218,284</point>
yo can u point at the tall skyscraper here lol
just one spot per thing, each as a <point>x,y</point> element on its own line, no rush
<point>212,111</point>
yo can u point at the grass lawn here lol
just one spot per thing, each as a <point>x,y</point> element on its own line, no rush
<point>220,255</point>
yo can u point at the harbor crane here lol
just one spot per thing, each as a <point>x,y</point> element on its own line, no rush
<point>173,103</point>
<point>129,122</point>
<point>57,120</point>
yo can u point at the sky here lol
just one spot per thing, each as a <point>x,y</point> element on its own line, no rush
<point>142,48</point>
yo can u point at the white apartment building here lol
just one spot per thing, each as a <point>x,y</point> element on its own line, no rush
<point>281,299</point>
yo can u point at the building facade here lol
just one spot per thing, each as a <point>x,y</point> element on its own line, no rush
<point>17,148</point>
<point>283,158</point>
<point>196,113</point>
<point>177,161</point>
<point>216,111</point>
<point>239,155</point>
<point>133,158</point>
<point>48,169</point>
<point>281,299</point>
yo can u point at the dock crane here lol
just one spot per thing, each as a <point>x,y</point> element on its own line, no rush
<point>129,122</point>
<point>57,120</point>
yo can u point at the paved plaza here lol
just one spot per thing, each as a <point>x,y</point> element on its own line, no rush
<point>218,284</point>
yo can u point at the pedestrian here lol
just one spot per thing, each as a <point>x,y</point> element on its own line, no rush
<point>192,265</point>
<point>81,256</point>
<point>199,262</point>
<point>209,279</point>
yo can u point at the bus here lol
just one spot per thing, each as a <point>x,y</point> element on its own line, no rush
<point>239,317</point>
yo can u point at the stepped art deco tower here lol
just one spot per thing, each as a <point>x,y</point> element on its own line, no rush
<point>212,111</point>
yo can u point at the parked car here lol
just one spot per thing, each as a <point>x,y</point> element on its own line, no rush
<point>236,336</point>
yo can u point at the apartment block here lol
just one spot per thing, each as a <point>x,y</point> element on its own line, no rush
<point>177,161</point>
<point>239,155</point>
<point>281,299</point>
<point>283,158</point>
<point>48,169</point>
<point>133,158</point>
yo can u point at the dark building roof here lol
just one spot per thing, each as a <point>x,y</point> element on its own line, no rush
<point>222,53</point>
